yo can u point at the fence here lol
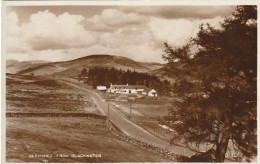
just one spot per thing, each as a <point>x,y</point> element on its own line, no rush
<point>92,115</point>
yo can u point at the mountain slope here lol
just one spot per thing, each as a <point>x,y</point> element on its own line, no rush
<point>14,66</point>
<point>74,67</point>
<point>163,74</point>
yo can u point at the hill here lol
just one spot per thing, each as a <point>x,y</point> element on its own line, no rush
<point>74,67</point>
<point>163,74</point>
<point>14,66</point>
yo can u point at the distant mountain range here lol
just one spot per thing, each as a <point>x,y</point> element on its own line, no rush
<point>74,67</point>
<point>14,66</point>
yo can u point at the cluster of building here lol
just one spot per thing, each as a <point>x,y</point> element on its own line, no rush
<point>129,89</point>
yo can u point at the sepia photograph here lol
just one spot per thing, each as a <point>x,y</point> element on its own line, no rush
<point>111,82</point>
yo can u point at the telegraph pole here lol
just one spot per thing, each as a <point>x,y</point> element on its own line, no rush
<point>108,110</point>
<point>130,110</point>
<point>130,100</point>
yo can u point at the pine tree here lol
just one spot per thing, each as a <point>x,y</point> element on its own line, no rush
<point>216,85</point>
<point>84,72</point>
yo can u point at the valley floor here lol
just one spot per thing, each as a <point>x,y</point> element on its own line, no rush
<point>79,139</point>
<point>27,138</point>
<point>61,139</point>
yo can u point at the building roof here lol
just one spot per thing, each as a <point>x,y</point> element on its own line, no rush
<point>136,87</point>
<point>101,88</point>
<point>128,87</point>
<point>149,90</point>
<point>152,90</point>
<point>117,86</point>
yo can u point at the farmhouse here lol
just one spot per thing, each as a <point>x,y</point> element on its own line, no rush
<point>132,89</point>
<point>101,88</point>
<point>150,92</point>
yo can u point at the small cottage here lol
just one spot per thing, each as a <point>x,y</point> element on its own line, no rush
<point>101,88</point>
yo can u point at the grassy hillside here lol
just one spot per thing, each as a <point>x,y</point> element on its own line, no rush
<point>14,66</point>
<point>65,136</point>
<point>27,137</point>
<point>74,67</point>
<point>34,94</point>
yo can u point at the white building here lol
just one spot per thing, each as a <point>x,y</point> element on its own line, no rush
<point>132,89</point>
<point>152,93</point>
<point>101,88</point>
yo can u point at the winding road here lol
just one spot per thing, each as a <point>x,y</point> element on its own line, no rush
<point>130,128</point>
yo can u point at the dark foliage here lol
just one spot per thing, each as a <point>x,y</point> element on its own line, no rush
<point>84,72</point>
<point>106,76</point>
<point>199,157</point>
<point>216,85</point>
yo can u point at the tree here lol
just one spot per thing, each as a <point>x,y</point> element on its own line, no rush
<point>84,72</point>
<point>216,85</point>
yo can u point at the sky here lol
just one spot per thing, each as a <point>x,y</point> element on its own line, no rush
<point>60,33</point>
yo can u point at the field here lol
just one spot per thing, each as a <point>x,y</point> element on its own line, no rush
<point>35,94</point>
<point>61,139</point>
<point>66,136</point>
<point>147,113</point>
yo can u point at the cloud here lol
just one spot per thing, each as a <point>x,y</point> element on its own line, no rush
<point>178,31</point>
<point>177,12</point>
<point>111,19</point>
<point>12,24</point>
<point>126,36</point>
<point>14,41</point>
<point>115,28</point>
<point>62,31</point>
<point>49,36</point>
<point>45,30</point>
